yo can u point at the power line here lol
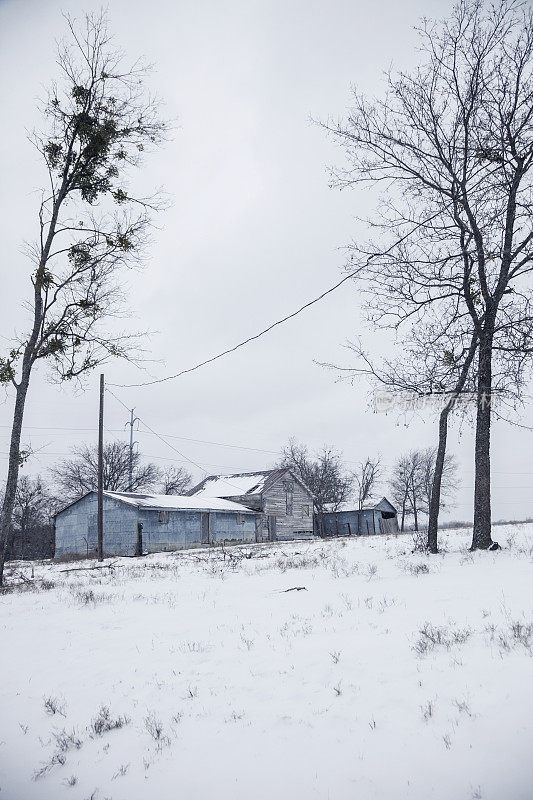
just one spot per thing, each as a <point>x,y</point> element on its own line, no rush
<point>190,460</point>
<point>240,344</point>
<point>168,435</point>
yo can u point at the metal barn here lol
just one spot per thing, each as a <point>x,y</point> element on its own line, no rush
<point>382,518</point>
<point>144,523</point>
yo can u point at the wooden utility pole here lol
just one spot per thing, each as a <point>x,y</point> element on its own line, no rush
<point>101,473</point>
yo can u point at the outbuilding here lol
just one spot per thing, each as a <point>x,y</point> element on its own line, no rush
<point>280,494</point>
<point>381,518</point>
<point>147,523</point>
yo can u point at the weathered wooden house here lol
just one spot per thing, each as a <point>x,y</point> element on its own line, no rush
<point>135,523</point>
<point>286,503</point>
<point>381,518</point>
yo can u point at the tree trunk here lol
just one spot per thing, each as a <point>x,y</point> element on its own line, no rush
<point>482,538</point>
<point>403,515</point>
<point>13,469</point>
<point>415,511</point>
<point>434,504</point>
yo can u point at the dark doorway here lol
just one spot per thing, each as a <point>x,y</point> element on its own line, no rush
<point>205,527</point>
<point>139,545</point>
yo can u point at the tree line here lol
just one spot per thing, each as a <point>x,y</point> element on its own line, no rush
<point>333,483</point>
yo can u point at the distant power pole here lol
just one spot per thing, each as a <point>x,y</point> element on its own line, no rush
<point>131,423</point>
<point>101,473</point>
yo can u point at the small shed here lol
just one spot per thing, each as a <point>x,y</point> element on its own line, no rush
<point>146,523</point>
<point>381,518</point>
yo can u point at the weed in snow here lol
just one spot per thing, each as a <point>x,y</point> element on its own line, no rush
<point>155,728</point>
<point>67,741</point>
<point>53,706</point>
<point>428,710</point>
<point>416,568</point>
<point>87,597</point>
<point>58,759</point>
<point>72,781</point>
<point>104,722</point>
<point>432,636</point>
<point>335,656</point>
<point>120,772</point>
<point>248,643</point>
<point>463,707</point>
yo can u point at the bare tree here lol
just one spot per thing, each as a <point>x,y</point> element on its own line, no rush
<point>77,475</point>
<point>448,483</point>
<point>32,509</point>
<point>174,480</point>
<point>453,143</point>
<point>98,122</point>
<point>324,474</point>
<point>406,485</point>
<point>412,483</point>
<point>365,479</point>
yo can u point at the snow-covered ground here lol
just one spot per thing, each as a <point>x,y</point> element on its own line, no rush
<point>198,675</point>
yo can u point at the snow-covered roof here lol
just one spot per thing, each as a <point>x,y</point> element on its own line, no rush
<point>177,502</point>
<point>244,483</point>
<point>170,502</point>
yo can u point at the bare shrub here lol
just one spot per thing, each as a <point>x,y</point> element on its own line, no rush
<point>522,634</point>
<point>86,597</point>
<point>427,710</point>
<point>248,643</point>
<point>463,707</point>
<point>416,569</point>
<point>58,759</point>
<point>432,636</point>
<point>122,770</point>
<point>297,561</point>
<point>53,706</point>
<point>155,728</point>
<point>104,722</point>
<point>67,741</point>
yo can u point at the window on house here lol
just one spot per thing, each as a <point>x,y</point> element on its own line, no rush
<point>240,519</point>
<point>164,517</point>
<point>289,494</point>
<point>305,511</point>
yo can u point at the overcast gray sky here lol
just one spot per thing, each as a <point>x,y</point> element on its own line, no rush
<point>253,232</point>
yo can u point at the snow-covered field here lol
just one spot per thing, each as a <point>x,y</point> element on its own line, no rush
<point>198,675</point>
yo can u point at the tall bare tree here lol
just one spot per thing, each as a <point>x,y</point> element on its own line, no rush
<point>32,508</point>
<point>365,479</point>
<point>406,485</point>
<point>453,143</point>
<point>79,474</point>
<point>98,120</point>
